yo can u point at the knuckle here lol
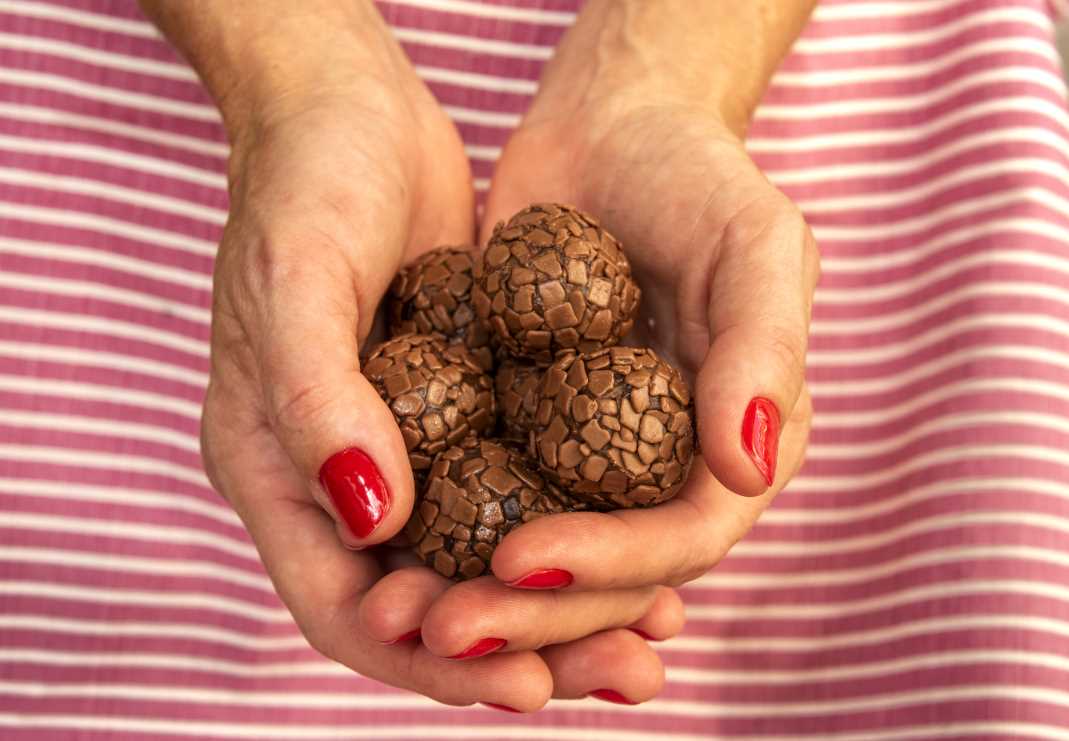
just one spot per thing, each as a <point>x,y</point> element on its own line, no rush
<point>786,351</point>
<point>299,408</point>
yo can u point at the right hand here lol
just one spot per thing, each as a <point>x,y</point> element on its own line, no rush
<point>333,187</point>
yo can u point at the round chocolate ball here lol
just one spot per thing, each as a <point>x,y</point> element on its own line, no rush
<point>615,427</point>
<point>476,493</point>
<point>514,388</point>
<point>438,393</point>
<point>433,294</point>
<point>553,279</point>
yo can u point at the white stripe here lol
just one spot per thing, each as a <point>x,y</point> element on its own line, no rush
<point>1011,169</point>
<point>125,564</point>
<point>477,81</point>
<point>478,117</point>
<point>106,326</point>
<point>139,197</point>
<point>900,349</point>
<point>124,430</point>
<point>497,12</point>
<point>472,44</point>
<point>65,14</point>
<point>153,600</point>
<point>942,556</point>
<point>53,286</point>
<point>951,588</point>
<point>118,158</point>
<point>213,508</point>
<point>110,94</point>
<point>36,623</point>
<point>884,10</point>
<point>996,260</point>
<point>909,39</point>
<point>100,393</point>
<point>67,456</point>
<point>1013,624</point>
<point>912,317</point>
<point>879,138</point>
<point>96,257</point>
<point>959,522</point>
<point>88,357</point>
<point>872,477</point>
<point>106,225</point>
<point>844,513</point>
<point>99,57</point>
<point>314,667</point>
<point>59,117</point>
<point>152,532</point>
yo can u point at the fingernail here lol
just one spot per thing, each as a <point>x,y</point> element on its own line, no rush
<point>357,489</point>
<point>544,579</point>
<point>644,634</point>
<point>405,637</point>
<point>495,706</point>
<point>760,436</point>
<point>612,696</point>
<point>481,648</point>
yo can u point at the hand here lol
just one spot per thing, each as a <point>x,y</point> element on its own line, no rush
<point>727,266</point>
<point>334,184</point>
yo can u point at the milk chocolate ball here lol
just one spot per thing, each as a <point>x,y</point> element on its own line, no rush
<point>476,493</point>
<point>615,427</point>
<point>433,294</point>
<point>514,388</point>
<point>437,392</point>
<point>553,279</point>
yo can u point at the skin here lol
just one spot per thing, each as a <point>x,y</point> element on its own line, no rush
<point>343,168</point>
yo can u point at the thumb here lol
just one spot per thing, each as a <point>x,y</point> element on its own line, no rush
<point>331,422</point>
<point>759,310</point>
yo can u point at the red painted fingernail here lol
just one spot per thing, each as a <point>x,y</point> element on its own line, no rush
<point>612,696</point>
<point>481,648</point>
<point>495,706</point>
<point>644,634</point>
<point>405,637</point>
<point>760,436</point>
<point>544,579</point>
<point>357,489</point>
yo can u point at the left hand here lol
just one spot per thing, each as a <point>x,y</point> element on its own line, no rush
<point>727,267</point>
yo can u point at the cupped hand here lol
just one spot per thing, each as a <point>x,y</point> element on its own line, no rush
<point>727,267</point>
<point>331,191</point>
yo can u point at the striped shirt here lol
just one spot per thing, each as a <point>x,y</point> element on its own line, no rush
<point>911,583</point>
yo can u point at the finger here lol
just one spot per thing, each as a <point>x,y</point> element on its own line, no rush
<point>323,584</point>
<point>615,666</point>
<point>483,615</point>
<point>394,608</point>
<point>671,543</point>
<point>664,619</point>
<point>758,313</point>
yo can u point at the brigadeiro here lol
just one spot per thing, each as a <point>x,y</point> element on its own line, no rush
<point>553,279</point>
<point>614,427</point>
<point>433,294</point>
<point>437,392</point>
<point>476,493</point>
<point>514,387</point>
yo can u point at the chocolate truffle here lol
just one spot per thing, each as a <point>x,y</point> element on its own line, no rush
<point>438,393</point>
<point>553,279</point>
<point>476,493</point>
<point>514,388</point>
<point>615,427</point>
<point>433,294</point>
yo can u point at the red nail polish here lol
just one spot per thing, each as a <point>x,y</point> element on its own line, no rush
<point>405,637</point>
<point>481,648</point>
<point>612,696</point>
<point>544,579</point>
<point>643,634</point>
<point>357,489</point>
<point>760,436</point>
<point>495,706</point>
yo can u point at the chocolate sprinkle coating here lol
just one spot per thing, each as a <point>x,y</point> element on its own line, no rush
<point>476,493</point>
<point>514,387</point>
<point>553,279</point>
<point>433,294</point>
<point>437,392</point>
<point>615,427</point>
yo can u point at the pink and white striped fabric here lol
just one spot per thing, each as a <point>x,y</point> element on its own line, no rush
<point>913,582</point>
